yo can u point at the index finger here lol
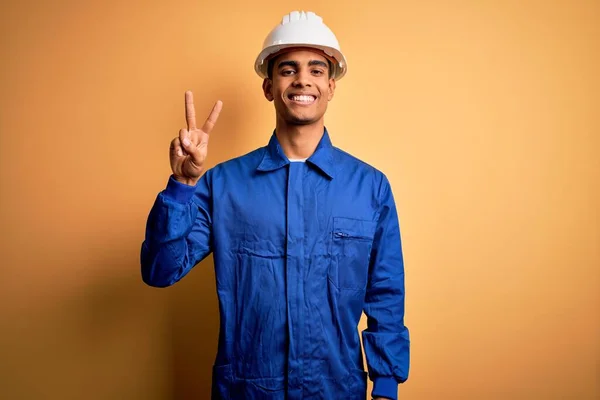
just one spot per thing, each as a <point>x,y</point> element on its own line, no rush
<point>190,112</point>
<point>212,118</point>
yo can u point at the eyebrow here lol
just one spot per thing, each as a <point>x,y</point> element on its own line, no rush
<point>318,62</point>
<point>295,64</point>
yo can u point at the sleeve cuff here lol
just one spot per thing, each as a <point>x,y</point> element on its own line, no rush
<point>178,191</point>
<point>385,386</point>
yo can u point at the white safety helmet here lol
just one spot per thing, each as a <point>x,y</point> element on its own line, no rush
<point>302,29</point>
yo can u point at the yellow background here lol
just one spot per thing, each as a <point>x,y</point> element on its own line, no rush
<point>484,115</point>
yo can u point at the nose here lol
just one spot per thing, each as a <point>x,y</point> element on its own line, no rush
<point>302,79</point>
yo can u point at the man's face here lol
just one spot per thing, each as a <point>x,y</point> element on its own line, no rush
<point>300,86</point>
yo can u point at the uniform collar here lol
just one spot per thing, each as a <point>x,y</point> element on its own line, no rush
<point>274,157</point>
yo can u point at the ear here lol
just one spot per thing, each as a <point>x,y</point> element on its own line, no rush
<point>268,89</point>
<point>331,89</point>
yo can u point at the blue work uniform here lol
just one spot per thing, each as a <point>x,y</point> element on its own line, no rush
<point>300,250</point>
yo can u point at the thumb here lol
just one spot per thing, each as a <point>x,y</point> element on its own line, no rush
<point>192,150</point>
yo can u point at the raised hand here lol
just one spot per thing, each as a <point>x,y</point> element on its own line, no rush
<point>188,151</point>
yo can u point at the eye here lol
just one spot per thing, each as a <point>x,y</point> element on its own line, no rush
<point>287,72</point>
<point>317,72</point>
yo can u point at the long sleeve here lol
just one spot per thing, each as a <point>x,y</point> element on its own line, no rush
<point>386,339</point>
<point>178,232</point>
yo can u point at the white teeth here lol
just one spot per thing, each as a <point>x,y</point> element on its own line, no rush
<point>303,99</point>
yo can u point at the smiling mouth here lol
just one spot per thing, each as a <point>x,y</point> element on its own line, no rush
<point>303,99</point>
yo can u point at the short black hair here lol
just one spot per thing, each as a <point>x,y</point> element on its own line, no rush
<point>271,65</point>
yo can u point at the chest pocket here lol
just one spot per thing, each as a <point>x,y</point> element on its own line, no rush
<point>350,250</point>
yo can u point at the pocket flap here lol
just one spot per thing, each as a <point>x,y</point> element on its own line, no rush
<point>354,228</point>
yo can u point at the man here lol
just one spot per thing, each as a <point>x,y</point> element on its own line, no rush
<point>304,237</point>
